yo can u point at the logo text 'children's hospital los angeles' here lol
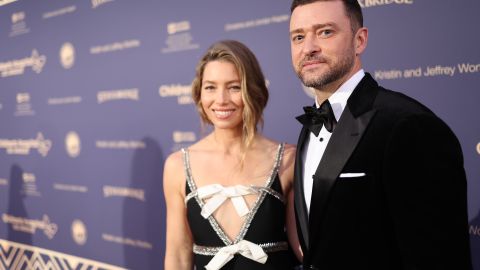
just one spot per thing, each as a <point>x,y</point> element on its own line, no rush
<point>18,66</point>
<point>23,146</point>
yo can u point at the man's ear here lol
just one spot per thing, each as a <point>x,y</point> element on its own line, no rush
<point>361,40</point>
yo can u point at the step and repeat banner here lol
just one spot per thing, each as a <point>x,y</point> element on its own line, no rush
<point>95,94</point>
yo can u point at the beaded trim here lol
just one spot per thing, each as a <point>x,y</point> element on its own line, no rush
<point>213,222</point>
<point>262,196</point>
<point>270,191</point>
<point>267,247</point>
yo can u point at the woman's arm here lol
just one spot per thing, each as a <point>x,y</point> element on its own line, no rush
<point>292,228</point>
<point>288,164</point>
<point>178,253</point>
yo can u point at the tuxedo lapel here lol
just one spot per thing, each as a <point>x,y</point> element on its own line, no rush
<point>299,196</point>
<point>347,134</point>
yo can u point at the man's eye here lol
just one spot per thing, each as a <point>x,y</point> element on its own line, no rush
<point>297,38</point>
<point>326,32</point>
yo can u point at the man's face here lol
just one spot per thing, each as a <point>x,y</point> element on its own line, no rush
<point>322,43</point>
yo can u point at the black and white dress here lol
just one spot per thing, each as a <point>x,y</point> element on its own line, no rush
<point>262,241</point>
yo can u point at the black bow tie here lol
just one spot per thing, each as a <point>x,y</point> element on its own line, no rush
<point>314,118</point>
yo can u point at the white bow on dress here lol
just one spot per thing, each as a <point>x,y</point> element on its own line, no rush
<point>216,194</point>
<point>244,248</point>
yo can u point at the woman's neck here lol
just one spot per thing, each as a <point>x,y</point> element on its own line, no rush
<point>227,141</point>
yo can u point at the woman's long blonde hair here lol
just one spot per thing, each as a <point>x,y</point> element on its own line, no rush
<point>254,90</point>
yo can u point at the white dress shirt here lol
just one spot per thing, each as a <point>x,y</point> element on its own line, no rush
<point>315,145</point>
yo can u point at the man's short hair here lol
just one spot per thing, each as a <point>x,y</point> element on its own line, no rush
<point>352,10</point>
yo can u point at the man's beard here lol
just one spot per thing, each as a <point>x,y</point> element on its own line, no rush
<point>339,69</point>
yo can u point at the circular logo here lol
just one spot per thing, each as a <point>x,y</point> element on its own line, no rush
<point>478,148</point>
<point>79,232</point>
<point>72,144</point>
<point>309,91</point>
<point>67,55</point>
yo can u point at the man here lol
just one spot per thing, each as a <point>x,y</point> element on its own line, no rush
<point>379,183</point>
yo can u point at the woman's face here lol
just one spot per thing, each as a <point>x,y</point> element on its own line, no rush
<point>221,95</point>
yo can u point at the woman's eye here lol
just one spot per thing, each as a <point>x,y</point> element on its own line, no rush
<point>235,87</point>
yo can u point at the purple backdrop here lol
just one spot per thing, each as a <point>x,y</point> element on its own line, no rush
<point>95,94</point>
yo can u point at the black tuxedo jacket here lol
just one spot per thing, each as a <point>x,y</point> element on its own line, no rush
<point>389,192</point>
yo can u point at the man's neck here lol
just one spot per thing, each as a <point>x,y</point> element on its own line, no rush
<point>328,90</point>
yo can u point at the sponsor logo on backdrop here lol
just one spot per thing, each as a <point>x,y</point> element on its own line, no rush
<point>26,225</point>
<point>126,241</point>
<point>175,27</point>
<point>97,3</point>
<point>126,145</point>
<point>59,12</point>
<point>427,71</point>
<point>64,100</point>
<point>474,230</point>
<point>182,139</point>
<point>3,182</point>
<point>70,188</point>
<point>19,24</point>
<point>179,37</point>
<point>120,94</point>
<point>72,144</point>
<point>257,22</point>
<point>23,146</point>
<point>134,193</point>
<point>20,256</point>
<point>116,46</point>
<point>24,106</point>
<point>310,91</point>
<point>29,186</point>
<point>18,17</point>
<point>374,3</point>
<point>182,92</point>
<point>67,55</point>
<point>5,2</point>
<point>79,232</point>
<point>184,136</point>
<point>17,66</point>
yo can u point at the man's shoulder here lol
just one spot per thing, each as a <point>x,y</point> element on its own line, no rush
<point>400,112</point>
<point>386,100</point>
<point>398,103</point>
<point>403,110</point>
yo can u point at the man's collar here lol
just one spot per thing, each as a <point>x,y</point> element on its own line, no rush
<point>338,100</point>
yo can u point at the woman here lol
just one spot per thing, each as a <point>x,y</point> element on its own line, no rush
<point>230,195</point>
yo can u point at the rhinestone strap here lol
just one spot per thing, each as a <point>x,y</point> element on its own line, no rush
<point>272,192</point>
<point>191,184</point>
<point>261,197</point>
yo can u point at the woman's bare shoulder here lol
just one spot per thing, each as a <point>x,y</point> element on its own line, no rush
<point>289,151</point>
<point>174,160</point>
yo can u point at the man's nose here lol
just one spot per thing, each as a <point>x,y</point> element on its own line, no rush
<point>310,45</point>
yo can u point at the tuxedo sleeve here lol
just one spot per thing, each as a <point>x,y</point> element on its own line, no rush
<point>425,186</point>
